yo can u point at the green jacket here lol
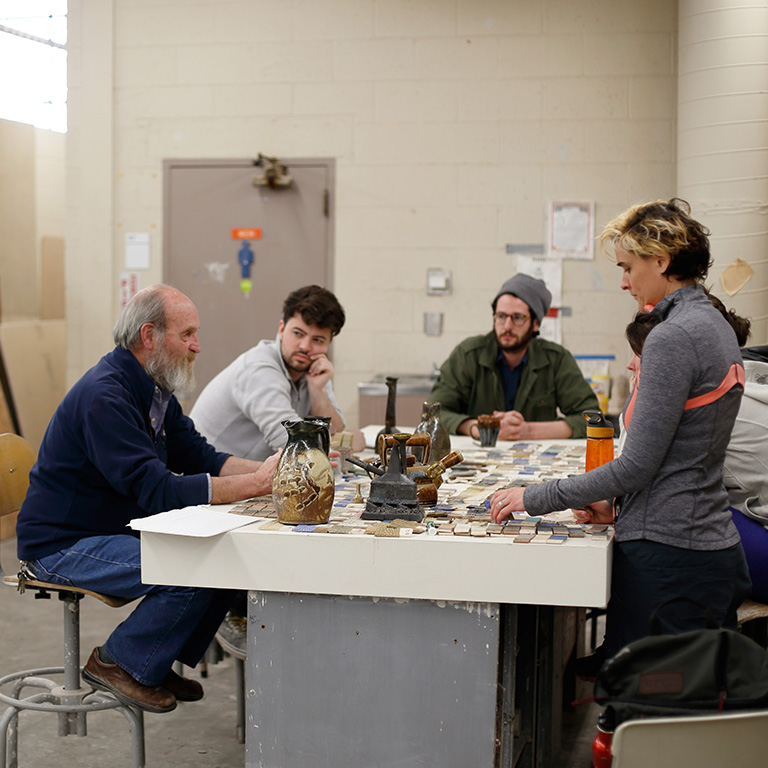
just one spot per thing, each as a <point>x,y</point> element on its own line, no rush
<point>470,384</point>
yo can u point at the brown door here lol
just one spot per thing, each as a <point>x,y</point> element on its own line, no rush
<point>208,205</point>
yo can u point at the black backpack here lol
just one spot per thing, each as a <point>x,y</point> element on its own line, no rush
<point>703,671</point>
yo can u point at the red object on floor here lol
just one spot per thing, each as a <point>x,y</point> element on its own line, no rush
<point>602,756</point>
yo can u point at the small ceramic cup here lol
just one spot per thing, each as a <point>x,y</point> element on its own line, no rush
<point>488,427</point>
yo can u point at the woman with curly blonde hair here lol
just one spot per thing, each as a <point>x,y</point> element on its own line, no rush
<point>674,537</point>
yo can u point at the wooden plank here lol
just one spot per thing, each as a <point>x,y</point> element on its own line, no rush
<point>35,358</point>
<point>52,306</point>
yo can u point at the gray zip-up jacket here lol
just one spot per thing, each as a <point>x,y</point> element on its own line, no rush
<point>668,480</point>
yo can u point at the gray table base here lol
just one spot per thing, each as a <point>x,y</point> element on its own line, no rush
<point>337,681</point>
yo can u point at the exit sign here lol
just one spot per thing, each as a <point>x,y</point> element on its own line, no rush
<point>246,233</point>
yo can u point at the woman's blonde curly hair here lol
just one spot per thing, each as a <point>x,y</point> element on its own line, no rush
<point>662,228</point>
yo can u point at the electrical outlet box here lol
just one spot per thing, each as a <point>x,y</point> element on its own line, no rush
<point>433,323</point>
<point>438,282</point>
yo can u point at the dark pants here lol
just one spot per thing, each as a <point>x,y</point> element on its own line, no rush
<point>647,574</point>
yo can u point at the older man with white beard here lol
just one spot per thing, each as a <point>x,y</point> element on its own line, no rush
<point>119,447</point>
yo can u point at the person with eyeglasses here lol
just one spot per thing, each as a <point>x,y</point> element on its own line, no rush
<point>534,385</point>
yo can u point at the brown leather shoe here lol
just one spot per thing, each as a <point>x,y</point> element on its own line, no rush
<point>182,688</point>
<point>110,677</point>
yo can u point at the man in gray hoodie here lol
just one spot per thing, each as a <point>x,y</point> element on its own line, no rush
<point>289,377</point>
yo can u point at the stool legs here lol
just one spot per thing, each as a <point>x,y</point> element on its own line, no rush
<point>69,701</point>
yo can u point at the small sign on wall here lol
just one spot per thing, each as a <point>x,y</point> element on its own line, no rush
<point>137,250</point>
<point>129,287</point>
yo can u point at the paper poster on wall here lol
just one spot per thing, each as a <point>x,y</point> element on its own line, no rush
<point>137,250</point>
<point>548,270</point>
<point>552,328</point>
<point>571,230</point>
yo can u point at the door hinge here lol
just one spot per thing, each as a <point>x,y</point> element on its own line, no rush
<point>326,203</point>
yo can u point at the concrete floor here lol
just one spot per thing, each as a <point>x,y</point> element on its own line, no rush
<point>200,734</point>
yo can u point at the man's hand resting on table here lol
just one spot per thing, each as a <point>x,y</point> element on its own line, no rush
<point>514,427</point>
<point>242,479</point>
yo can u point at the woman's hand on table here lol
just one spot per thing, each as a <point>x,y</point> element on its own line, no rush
<point>598,512</point>
<point>505,502</point>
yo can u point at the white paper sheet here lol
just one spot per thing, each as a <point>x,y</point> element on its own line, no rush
<point>193,521</point>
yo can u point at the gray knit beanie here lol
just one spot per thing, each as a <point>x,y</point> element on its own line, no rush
<point>531,290</point>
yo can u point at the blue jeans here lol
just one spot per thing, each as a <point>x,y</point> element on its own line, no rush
<point>169,624</point>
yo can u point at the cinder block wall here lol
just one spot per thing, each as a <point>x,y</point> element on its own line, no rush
<point>452,122</point>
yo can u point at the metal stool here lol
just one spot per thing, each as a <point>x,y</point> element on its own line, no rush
<point>217,651</point>
<point>64,697</point>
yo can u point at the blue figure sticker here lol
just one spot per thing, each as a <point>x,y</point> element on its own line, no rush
<point>245,257</point>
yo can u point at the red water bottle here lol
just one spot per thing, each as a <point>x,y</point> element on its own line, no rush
<point>602,755</point>
<point>599,439</point>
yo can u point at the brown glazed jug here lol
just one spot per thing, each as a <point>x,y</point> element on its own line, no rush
<point>303,484</point>
<point>440,440</point>
<point>389,427</point>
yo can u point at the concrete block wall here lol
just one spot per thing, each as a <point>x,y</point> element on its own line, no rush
<point>453,123</point>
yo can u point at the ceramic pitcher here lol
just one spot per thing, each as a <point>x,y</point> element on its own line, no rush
<point>439,439</point>
<point>303,484</point>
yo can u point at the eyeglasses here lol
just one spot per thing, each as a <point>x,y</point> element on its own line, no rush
<point>517,319</point>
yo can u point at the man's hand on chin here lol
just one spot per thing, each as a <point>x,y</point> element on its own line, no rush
<point>319,372</point>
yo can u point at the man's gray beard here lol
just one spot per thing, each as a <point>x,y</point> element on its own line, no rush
<point>170,375</point>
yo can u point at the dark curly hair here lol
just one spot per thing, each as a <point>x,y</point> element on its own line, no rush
<point>644,322</point>
<point>317,306</point>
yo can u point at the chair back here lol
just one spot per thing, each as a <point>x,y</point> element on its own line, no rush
<point>16,459</point>
<point>704,741</point>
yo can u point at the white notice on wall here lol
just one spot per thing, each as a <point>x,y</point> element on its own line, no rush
<point>571,230</point>
<point>136,250</point>
<point>548,270</point>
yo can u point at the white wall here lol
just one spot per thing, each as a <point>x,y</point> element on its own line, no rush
<point>453,122</point>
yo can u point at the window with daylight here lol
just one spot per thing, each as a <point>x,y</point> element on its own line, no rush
<point>33,60</point>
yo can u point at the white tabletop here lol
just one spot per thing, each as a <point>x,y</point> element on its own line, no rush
<point>450,568</point>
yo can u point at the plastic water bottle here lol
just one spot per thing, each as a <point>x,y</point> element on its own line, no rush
<point>599,439</point>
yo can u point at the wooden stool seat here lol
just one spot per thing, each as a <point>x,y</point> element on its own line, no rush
<point>47,586</point>
<point>753,620</point>
<point>751,609</point>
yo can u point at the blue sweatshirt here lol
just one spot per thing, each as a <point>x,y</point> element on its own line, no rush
<point>100,464</point>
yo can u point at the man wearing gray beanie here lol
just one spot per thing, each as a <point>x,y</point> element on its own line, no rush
<point>534,385</point>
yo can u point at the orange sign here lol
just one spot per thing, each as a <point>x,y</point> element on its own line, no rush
<point>246,233</point>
